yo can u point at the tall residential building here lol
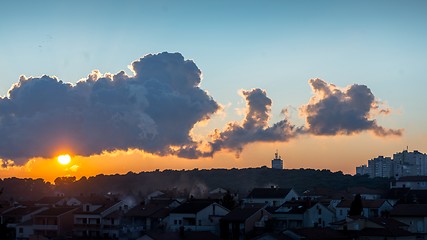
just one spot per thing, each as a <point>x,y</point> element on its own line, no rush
<point>410,163</point>
<point>277,162</point>
<point>403,164</point>
<point>362,170</point>
<point>381,167</point>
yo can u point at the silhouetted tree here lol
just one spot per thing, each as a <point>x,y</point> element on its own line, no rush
<point>228,201</point>
<point>356,207</point>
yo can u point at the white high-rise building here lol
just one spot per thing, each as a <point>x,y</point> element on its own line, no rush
<point>380,167</point>
<point>277,162</point>
<point>362,170</point>
<point>403,164</point>
<point>410,163</point>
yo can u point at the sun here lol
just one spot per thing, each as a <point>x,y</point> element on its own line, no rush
<point>64,159</point>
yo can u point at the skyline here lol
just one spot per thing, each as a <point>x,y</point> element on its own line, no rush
<point>260,65</point>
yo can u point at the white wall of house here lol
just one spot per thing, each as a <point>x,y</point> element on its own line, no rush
<point>204,220</point>
<point>273,202</point>
<point>318,215</point>
<point>24,231</point>
<point>341,213</point>
<point>415,185</point>
<point>416,224</point>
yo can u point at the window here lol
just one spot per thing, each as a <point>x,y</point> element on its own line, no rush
<point>175,222</point>
<point>340,211</point>
<point>180,222</point>
<point>21,230</point>
<point>200,222</point>
<point>319,211</point>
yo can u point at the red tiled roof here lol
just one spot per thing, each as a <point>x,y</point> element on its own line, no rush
<point>241,214</point>
<point>192,207</point>
<point>57,211</point>
<point>409,210</point>
<point>365,203</point>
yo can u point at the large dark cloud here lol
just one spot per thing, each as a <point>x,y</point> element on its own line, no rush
<point>334,111</point>
<point>154,110</point>
<point>255,126</point>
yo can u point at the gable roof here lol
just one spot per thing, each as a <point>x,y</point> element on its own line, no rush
<point>409,210</point>
<point>241,214</point>
<point>365,203</point>
<point>22,211</point>
<point>49,200</point>
<point>153,209</point>
<point>56,211</point>
<point>192,206</point>
<point>269,193</point>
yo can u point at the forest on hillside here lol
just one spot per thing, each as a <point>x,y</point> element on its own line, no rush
<point>186,182</point>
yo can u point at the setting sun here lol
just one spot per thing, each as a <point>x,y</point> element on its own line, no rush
<point>64,159</point>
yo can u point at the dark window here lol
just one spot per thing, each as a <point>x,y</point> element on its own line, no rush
<point>21,230</point>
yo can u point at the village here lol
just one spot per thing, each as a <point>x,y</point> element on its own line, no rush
<point>399,212</point>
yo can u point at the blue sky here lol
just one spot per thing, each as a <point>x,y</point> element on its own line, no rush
<point>273,45</point>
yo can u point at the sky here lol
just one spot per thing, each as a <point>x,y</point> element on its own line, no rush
<point>142,85</point>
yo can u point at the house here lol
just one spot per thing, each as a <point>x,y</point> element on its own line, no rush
<point>301,214</point>
<point>57,201</point>
<point>219,193</point>
<point>54,222</point>
<point>18,220</point>
<point>414,215</point>
<point>397,195</point>
<point>412,182</point>
<point>366,193</point>
<point>314,234</point>
<point>147,217</point>
<point>90,220</point>
<point>273,196</point>
<point>371,208</point>
<point>373,228</point>
<point>197,215</point>
<point>243,221</point>
<point>187,235</point>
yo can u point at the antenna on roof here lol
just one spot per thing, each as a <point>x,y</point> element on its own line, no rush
<point>276,155</point>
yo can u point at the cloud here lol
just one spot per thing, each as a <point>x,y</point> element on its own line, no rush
<point>255,126</point>
<point>154,110</point>
<point>334,111</point>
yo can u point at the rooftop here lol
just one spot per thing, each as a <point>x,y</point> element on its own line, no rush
<point>241,214</point>
<point>365,203</point>
<point>192,206</point>
<point>56,211</point>
<point>406,210</point>
<point>269,193</point>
